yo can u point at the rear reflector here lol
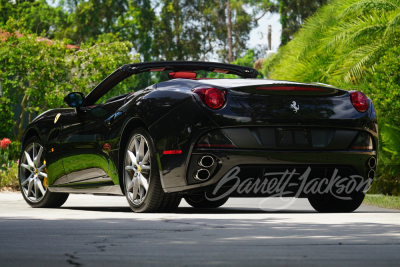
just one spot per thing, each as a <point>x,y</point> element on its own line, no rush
<point>363,141</point>
<point>215,139</point>
<point>290,88</point>
<point>171,152</point>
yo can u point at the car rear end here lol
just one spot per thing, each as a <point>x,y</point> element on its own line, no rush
<point>284,130</point>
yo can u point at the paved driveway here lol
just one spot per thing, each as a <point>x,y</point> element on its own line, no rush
<point>102,231</point>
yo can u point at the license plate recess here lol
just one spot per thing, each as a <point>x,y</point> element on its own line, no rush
<point>293,137</point>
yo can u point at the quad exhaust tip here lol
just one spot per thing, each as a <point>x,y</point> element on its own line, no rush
<point>206,161</point>
<point>202,175</point>
<point>372,162</point>
<point>371,174</point>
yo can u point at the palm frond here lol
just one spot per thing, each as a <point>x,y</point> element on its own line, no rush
<point>337,34</point>
<point>365,33</point>
<point>393,24</point>
<point>360,28</point>
<point>367,6</point>
<point>360,58</point>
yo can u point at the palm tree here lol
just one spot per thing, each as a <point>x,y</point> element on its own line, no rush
<point>341,42</point>
<point>367,30</point>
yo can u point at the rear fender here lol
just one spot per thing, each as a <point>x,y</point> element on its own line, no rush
<point>178,130</point>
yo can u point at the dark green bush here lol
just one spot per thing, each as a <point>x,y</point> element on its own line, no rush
<point>384,89</point>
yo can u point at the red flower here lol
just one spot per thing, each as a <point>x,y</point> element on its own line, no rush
<point>5,143</point>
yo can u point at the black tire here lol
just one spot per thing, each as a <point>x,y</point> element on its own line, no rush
<point>155,199</point>
<point>49,199</point>
<point>200,202</point>
<point>329,204</point>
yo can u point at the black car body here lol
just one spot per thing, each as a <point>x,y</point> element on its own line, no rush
<point>262,126</point>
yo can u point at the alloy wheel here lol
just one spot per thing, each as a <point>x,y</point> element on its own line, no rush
<point>33,173</point>
<point>137,169</point>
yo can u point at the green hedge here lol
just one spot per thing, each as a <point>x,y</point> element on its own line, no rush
<point>41,72</point>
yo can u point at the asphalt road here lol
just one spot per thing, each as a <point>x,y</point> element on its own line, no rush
<point>102,231</point>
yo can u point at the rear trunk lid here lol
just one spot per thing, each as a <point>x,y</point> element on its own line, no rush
<point>258,102</point>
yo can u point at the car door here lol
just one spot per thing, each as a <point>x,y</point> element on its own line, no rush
<point>85,136</point>
<point>50,125</point>
<point>79,143</point>
<point>106,134</point>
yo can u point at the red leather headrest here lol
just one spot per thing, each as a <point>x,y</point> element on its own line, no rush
<point>182,75</point>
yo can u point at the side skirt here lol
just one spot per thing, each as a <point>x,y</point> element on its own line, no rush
<point>85,189</point>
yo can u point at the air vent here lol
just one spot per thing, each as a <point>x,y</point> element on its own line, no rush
<point>54,134</point>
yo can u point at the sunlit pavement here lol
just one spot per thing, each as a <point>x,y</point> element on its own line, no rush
<point>102,231</point>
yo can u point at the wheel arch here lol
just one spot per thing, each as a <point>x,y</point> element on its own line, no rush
<point>30,132</point>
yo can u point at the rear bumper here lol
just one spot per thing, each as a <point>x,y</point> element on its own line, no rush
<point>225,159</point>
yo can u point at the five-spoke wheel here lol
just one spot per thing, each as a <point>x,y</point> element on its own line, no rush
<point>137,169</point>
<point>33,180</point>
<point>33,176</point>
<point>141,176</point>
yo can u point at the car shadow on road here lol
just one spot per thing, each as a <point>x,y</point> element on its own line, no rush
<point>222,210</point>
<point>189,210</point>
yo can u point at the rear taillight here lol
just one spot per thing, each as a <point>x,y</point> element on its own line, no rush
<point>290,88</point>
<point>211,97</point>
<point>215,139</point>
<point>359,101</point>
<point>363,141</point>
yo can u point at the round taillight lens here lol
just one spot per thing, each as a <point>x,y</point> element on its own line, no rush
<point>359,101</point>
<point>212,97</point>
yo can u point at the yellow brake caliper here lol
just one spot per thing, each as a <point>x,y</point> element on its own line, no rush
<point>45,178</point>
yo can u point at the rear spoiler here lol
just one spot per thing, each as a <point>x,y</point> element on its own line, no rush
<point>244,72</point>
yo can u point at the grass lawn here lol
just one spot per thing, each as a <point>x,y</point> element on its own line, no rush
<point>389,202</point>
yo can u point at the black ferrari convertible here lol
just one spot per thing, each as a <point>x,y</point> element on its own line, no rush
<point>158,132</point>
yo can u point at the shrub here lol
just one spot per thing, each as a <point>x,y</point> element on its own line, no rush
<point>384,89</point>
<point>9,177</point>
<point>4,153</point>
<point>42,71</point>
<point>8,168</point>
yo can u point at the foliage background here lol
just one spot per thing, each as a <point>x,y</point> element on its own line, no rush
<point>41,72</point>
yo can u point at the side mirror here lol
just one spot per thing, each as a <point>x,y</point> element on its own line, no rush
<point>74,99</point>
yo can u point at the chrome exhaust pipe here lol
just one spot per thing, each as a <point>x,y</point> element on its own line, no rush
<point>206,161</point>
<point>202,175</point>
<point>372,162</point>
<point>371,174</point>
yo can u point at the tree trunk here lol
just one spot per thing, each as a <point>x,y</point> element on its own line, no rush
<point>269,37</point>
<point>230,55</point>
<point>177,25</point>
<point>18,133</point>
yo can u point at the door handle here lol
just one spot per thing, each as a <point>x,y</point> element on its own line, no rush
<point>111,119</point>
